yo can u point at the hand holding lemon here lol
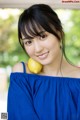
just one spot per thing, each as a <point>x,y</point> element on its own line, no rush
<point>34,66</point>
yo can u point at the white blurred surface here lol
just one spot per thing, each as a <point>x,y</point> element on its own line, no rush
<point>3,102</point>
<point>26,3</point>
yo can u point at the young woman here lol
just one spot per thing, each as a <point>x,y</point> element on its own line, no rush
<point>54,93</point>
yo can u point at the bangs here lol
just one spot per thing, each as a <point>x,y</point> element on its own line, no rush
<point>30,29</point>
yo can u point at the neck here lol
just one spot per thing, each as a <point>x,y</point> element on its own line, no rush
<point>54,68</point>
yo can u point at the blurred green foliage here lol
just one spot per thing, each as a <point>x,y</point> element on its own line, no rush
<point>73,37</point>
<point>11,51</point>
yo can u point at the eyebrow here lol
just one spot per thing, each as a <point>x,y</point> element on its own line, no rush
<point>33,37</point>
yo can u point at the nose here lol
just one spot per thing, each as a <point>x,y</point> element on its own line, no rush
<point>37,46</point>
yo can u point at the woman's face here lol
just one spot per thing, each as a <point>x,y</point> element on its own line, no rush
<point>44,48</point>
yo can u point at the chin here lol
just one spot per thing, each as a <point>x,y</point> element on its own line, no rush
<point>46,62</point>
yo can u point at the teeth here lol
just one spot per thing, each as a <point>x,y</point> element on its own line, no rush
<point>43,56</point>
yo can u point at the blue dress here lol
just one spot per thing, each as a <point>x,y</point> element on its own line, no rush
<point>38,97</point>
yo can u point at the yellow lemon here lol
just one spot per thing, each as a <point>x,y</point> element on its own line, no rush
<point>34,66</point>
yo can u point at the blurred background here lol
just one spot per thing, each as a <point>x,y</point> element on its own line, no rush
<point>11,51</point>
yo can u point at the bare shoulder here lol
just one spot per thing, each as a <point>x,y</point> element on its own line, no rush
<point>76,72</point>
<point>72,71</point>
<point>17,67</point>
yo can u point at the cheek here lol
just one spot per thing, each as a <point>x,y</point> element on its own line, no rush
<point>51,45</point>
<point>51,42</point>
<point>29,51</point>
<point>54,46</point>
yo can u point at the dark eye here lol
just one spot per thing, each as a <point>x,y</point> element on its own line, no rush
<point>43,36</point>
<point>29,42</point>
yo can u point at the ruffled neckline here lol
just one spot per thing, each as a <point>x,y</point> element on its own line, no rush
<point>43,76</point>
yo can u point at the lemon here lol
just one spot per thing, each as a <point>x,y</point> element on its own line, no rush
<point>34,66</point>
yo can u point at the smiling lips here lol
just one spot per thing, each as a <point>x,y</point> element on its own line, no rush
<point>43,56</point>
